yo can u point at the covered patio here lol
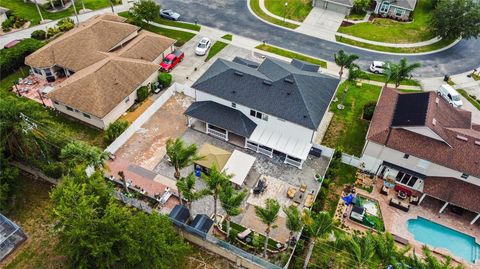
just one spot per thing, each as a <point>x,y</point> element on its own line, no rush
<point>212,156</point>
<point>239,165</point>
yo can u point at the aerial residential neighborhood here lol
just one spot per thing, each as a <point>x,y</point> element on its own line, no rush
<point>278,134</point>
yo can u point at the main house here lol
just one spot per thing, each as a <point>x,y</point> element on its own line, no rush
<point>272,108</point>
<point>421,142</point>
<point>340,6</point>
<point>105,61</point>
<point>398,9</point>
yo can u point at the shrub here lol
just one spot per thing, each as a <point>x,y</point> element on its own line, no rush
<point>39,35</point>
<point>114,130</point>
<point>19,22</point>
<point>13,58</point>
<point>165,79</point>
<point>65,24</point>
<point>53,170</point>
<point>52,31</point>
<point>368,110</point>
<point>8,24</point>
<point>142,93</point>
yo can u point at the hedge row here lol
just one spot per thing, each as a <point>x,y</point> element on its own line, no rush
<point>13,58</point>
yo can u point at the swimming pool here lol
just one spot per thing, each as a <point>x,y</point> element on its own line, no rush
<point>439,236</point>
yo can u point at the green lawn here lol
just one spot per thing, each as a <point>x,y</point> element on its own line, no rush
<point>228,37</point>
<point>347,130</point>
<point>475,102</point>
<point>181,36</point>
<point>216,48</point>
<point>292,55</point>
<point>296,10</point>
<point>475,76</point>
<point>29,11</point>
<point>435,46</point>
<point>255,6</point>
<point>391,31</point>
<point>184,25</point>
<point>356,16</point>
<point>381,78</point>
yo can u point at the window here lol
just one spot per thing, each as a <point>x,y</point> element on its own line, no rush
<point>464,176</point>
<point>265,117</point>
<point>405,156</point>
<point>55,102</point>
<point>399,12</point>
<point>234,105</point>
<point>48,72</point>
<point>86,115</point>
<point>252,113</point>
<point>37,71</point>
<point>385,7</point>
<point>412,181</point>
<point>406,179</point>
<point>69,108</point>
<point>127,99</point>
<point>258,115</point>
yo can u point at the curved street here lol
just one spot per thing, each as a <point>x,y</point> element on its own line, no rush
<point>234,16</point>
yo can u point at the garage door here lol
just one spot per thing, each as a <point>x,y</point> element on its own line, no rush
<point>333,7</point>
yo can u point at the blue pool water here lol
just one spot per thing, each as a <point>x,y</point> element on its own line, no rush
<point>439,236</point>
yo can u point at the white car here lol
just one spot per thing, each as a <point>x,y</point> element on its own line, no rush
<point>203,46</point>
<point>377,67</point>
<point>450,94</point>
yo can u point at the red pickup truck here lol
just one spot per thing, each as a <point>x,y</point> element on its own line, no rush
<point>171,60</point>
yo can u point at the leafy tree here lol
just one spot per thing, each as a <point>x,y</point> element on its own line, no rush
<point>456,18</point>
<point>317,225</point>
<point>344,60</point>
<point>146,10</point>
<point>361,5</point>
<point>231,201</point>
<point>387,250</point>
<point>294,220</point>
<point>361,249</point>
<point>268,215</point>
<point>180,155</point>
<point>114,130</point>
<point>186,190</point>
<point>8,174</point>
<point>354,72</point>
<point>216,181</point>
<point>399,71</point>
<point>80,153</point>
<point>13,58</point>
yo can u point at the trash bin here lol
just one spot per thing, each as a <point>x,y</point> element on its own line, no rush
<point>446,78</point>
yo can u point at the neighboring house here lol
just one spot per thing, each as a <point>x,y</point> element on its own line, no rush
<point>399,9</point>
<point>271,108</point>
<point>3,14</point>
<point>11,237</point>
<point>421,142</point>
<point>340,6</point>
<point>105,61</point>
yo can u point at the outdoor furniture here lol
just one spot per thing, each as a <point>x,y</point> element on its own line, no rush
<point>303,188</point>
<point>244,234</point>
<point>384,190</point>
<point>403,189</point>
<point>400,240</point>
<point>402,195</point>
<point>298,198</point>
<point>291,192</point>
<point>399,204</point>
<point>414,200</point>
<point>260,188</point>
<point>309,200</point>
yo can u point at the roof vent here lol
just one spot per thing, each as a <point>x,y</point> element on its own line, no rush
<point>288,93</point>
<point>434,121</point>
<point>267,82</point>
<point>234,92</point>
<point>304,116</point>
<point>437,100</point>
<point>238,73</point>
<point>462,138</point>
<point>477,142</point>
<point>288,80</point>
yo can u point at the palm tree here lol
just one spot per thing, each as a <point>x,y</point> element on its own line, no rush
<point>387,250</point>
<point>181,156</point>
<point>317,225</point>
<point>354,72</point>
<point>124,180</point>
<point>399,71</point>
<point>344,60</point>
<point>231,202</point>
<point>216,181</point>
<point>361,250</point>
<point>294,220</point>
<point>433,263</point>
<point>186,188</point>
<point>38,9</point>
<point>268,215</point>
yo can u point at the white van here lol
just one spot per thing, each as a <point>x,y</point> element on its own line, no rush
<point>377,67</point>
<point>450,94</point>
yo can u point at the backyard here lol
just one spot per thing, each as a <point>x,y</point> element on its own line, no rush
<point>347,130</point>
<point>296,10</point>
<point>255,6</point>
<point>391,31</point>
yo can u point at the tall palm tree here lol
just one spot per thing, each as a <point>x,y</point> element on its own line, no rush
<point>399,71</point>
<point>343,60</point>
<point>317,225</point>
<point>387,250</point>
<point>38,9</point>
<point>268,215</point>
<point>432,262</point>
<point>186,189</point>
<point>361,250</point>
<point>231,201</point>
<point>180,155</point>
<point>294,220</point>
<point>216,181</point>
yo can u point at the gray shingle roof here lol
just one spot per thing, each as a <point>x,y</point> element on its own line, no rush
<point>222,116</point>
<point>406,4</point>
<point>277,88</point>
<point>246,62</point>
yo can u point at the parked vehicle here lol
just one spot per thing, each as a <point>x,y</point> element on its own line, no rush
<point>171,60</point>
<point>202,47</point>
<point>157,87</point>
<point>450,94</point>
<point>12,43</point>
<point>169,14</point>
<point>377,67</point>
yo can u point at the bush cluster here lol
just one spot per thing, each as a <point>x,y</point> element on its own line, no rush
<point>13,21</point>
<point>13,58</point>
<point>65,24</point>
<point>114,130</point>
<point>165,79</point>
<point>142,93</point>
<point>39,35</point>
<point>368,110</point>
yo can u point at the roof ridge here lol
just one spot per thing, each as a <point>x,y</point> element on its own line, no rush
<point>303,98</point>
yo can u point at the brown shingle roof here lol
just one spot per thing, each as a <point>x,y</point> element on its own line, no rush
<point>146,46</point>
<point>455,153</point>
<point>455,191</point>
<point>101,87</point>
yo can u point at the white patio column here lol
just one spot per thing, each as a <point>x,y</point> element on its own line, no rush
<point>443,207</point>
<point>475,219</point>
<point>226,135</point>
<point>421,198</point>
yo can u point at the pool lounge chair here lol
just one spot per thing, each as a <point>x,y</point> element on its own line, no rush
<point>244,234</point>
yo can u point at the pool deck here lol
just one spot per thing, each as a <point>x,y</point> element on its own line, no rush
<point>396,221</point>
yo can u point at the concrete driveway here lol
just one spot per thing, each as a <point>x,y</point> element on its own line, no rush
<point>321,23</point>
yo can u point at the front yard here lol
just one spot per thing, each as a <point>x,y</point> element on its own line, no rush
<point>296,10</point>
<point>390,31</point>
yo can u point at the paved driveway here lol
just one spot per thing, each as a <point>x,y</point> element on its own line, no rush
<point>321,23</point>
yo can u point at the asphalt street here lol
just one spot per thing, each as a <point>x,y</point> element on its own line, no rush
<point>233,16</point>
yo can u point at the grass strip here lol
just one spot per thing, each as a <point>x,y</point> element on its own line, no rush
<point>184,25</point>
<point>292,55</point>
<point>228,37</point>
<point>216,48</point>
<point>381,78</point>
<point>255,5</point>
<point>475,102</point>
<point>296,10</point>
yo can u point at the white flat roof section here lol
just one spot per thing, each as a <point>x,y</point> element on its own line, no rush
<point>289,145</point>
<point>239,164</point>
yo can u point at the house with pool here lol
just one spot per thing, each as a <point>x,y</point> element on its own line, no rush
<point>419,143</point>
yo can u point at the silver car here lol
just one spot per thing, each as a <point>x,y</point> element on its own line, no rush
<point>169,14</point>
